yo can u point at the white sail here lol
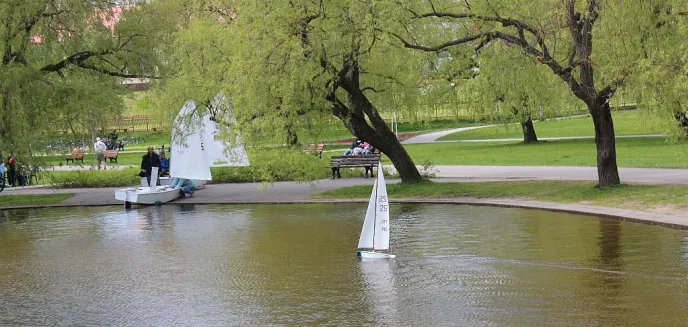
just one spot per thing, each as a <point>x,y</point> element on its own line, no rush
<point>366,239</point>
<point>222,153</point>
<point>187,151</point>
<point>381,239</point>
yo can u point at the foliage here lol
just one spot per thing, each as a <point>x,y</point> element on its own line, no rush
<point>662,79</point>
<point>94,178</point>
<point>512,88</point>
<point>282,164</point>
<point>293,65</point>
<point>62,64</point>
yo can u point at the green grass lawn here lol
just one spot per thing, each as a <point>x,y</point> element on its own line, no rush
<point>33,199</point>
<point>625,123</point>
<point>634,152</point>
<point>641,197</point>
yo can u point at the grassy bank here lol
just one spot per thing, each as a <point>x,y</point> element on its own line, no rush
<point>633,152</point>
<point>33,199</point>
<point>631,122</point>
<point>658,198</point>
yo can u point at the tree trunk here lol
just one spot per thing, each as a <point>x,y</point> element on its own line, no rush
<point>529,135</point>
<point>607,170</point>
<point>682,120</point>
<point>292,137</point>
<point>379,135</point>
<point>388,144</point>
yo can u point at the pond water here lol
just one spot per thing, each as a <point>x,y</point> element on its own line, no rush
<point>296,265</point>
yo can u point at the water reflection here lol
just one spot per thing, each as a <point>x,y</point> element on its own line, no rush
<point>296,265</point>
<point>380,291</point>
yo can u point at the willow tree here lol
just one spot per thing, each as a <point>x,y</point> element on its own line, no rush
<point>505,98</point>
<point>662,85</point>
<point>65,59</point>
<point>280,61</point>
<point>592,46</point>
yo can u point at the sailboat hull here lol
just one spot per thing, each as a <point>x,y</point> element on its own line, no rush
<point>375,255</point>
<point>142,195</point>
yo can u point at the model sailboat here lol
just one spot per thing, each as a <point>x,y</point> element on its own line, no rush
<point>375,233</point>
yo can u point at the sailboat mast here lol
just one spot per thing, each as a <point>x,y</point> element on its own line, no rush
<point>375,213</point>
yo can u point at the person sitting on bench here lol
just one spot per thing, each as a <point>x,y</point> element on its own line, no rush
<point>357,142</point>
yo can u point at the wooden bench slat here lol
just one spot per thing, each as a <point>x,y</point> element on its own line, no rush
<point>311,148</point>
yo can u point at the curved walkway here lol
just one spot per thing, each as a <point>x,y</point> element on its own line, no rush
<point>432,137</point>
<point>549,138</point>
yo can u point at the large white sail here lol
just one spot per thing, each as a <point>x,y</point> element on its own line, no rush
<point>187,151</point>
<point>381,239</point>
<point>222,153</point>
<point>366,239</point>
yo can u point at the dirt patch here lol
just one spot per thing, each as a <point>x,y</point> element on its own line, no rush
<point>667,209</point>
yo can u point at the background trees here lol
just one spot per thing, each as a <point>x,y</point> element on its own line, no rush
<point>62,62</point>
<point>592,46</point>
<point>283,62</point>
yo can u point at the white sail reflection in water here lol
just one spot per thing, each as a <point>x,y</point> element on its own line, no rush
<point>378,279</point>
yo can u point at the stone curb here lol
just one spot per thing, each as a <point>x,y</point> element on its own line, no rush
<point>677,222</point>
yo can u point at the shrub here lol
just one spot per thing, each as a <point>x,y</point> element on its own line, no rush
<point>274,165</point>
<point>94,178</point>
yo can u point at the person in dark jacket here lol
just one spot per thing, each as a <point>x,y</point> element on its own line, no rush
<point>148,161</point>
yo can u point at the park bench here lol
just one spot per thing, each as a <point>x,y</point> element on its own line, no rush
<point>76,155</point>
<point>311,148</point>
<point>112,155</point>
<point>369,162</point>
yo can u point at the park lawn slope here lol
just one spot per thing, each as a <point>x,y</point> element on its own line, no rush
<point>632,122</point>
<point>656,198</point>
<point>32,199</point>
<point>648,152</point>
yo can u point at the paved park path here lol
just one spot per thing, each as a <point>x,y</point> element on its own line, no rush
<point>292,191</point>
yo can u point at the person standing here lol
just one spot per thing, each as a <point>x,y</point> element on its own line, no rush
<point>148,161</point>
<point>99,147</point>
<point>11,171</point>
<point>3,169</point>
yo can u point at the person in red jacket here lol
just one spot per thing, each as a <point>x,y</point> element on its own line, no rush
<point>11,171</point>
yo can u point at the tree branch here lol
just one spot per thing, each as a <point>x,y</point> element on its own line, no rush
<point>466,39</point>
<point>371,89</point>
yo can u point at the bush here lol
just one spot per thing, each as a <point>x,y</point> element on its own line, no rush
<point>274,165</point>
<point>267,166</point>
<point>94,178</point>
<point>277,165</point>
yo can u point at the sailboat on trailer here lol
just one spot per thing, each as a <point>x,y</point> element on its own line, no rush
<point>375,233</point>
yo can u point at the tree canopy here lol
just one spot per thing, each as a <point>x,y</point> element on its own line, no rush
<point>592,46</point>
<point>63,61</point>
